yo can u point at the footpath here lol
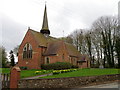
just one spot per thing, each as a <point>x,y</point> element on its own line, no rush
<point>36,77</point>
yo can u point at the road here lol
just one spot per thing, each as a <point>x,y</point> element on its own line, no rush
<point>108,86</point>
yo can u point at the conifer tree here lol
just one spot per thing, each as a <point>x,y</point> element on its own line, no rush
<point>12,59</point>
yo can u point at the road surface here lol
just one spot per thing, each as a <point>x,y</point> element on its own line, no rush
<point>107,86</point>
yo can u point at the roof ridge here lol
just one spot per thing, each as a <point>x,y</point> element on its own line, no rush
<point>34,30</point>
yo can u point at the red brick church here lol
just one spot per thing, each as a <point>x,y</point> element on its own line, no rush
<point>39,48</point>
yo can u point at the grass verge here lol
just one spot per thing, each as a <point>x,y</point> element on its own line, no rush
<point>79,72</point>
<point>26,73</point>
<point>85,72</point>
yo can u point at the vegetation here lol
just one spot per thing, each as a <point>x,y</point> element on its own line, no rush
<point>12,59</point>
<point>64,73</point>
<point>26,73</point>
<point>117,49</point>
<point>23,68</point>
<point>4,70</point>
<point>15,50</point>
<point>85,72</point>
<point>58,66</point>
<point>4,63</point>
<point>30,73</point>
<point>4,60</point>
<point>101,42</point>
<point>3,57</point>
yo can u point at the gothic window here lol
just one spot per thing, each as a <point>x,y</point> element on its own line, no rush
<point>27,51</point>
<point>47,60</point>
<point>63,57</point>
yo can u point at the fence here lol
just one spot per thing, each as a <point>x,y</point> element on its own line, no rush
<point>5,78</point>
<point>10,80</point>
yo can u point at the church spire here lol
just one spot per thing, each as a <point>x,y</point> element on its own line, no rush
<point>45,28</point>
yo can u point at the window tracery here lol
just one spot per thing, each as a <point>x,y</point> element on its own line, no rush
<point>27,51</point>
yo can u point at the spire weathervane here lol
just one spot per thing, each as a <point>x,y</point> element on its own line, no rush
<point>45,2</point>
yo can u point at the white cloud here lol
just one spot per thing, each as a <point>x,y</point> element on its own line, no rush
<point>66,15</point>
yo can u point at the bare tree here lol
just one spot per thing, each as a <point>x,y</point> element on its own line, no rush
<point>101,42</point>
<point>106,26</point>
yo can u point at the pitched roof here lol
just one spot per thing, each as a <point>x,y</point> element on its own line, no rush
<point>53,48</point>
<point>53,44</point>
<point>41,39</point>
<point>72,51</point>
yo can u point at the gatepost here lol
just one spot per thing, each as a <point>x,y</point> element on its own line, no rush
<point>14,77</point>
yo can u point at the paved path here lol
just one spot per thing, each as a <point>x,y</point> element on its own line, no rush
<point>109,85</point>
<point>36,77</point>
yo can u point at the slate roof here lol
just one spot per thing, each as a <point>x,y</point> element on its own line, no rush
<point>72,51</point>
<point>53,44</point>
<point>41,39</point>
<point>52,48</point>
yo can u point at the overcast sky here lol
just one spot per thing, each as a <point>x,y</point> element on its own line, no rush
<point>63,15</point>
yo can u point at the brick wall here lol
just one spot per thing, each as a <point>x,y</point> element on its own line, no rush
<point>65,82</point>
<point>58,58</point>
<point>36,57</point>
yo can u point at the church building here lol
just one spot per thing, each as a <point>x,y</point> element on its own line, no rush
<point>39,48</point>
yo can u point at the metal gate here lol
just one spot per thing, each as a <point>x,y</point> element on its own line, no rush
<point>5,78</point>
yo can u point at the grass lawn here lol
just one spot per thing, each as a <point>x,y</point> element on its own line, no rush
<point>85,72</point>
<point>80,72</point>
<point>24,73</point>
<point>30,73</point>
<point>4,70</point>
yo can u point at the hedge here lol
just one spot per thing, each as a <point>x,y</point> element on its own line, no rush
<point>58,66</point>
<point>24,68</point>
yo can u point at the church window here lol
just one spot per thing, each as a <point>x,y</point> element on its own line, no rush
<point>27,51</point>
<point>63,57</point>
<point>47,60</point>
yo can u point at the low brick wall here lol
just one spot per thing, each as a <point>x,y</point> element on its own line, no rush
<point>65,82</point>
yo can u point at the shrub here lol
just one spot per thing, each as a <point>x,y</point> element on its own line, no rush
<point>57,66</point>
<point>23,68</point>
<point>74,66</point>
<point>44,71</point>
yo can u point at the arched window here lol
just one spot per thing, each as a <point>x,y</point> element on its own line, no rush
<point>63,57</point>
<point>47,60</point>
<point>27,51</point>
